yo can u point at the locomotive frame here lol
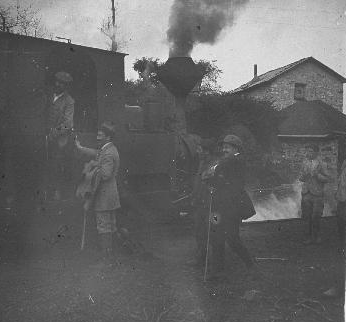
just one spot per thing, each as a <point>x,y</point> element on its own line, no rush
<point>28,65</point>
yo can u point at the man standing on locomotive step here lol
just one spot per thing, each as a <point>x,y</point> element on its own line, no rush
<point>59,129</point>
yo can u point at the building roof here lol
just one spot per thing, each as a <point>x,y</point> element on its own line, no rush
<point>311,119</point>
<point>22,38</point>
<point>273,74</point>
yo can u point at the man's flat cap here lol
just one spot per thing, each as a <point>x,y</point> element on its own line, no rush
<point>63,77</point>
<point>233,140</point>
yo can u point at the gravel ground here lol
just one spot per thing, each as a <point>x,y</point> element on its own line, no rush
<point>59,283</point>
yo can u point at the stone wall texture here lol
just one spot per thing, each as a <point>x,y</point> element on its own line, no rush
<point>320,85</point>
<point>289,157</point>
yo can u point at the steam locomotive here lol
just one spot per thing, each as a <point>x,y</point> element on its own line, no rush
<point>158,164</point>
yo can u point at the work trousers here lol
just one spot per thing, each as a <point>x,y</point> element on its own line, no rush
<point>228,233</point>
<point>312,211</point>
<point>59,165</point>
<point>340,219</point>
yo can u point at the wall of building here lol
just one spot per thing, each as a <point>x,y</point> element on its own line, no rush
<point>320,85</point>
<point>289,157</point>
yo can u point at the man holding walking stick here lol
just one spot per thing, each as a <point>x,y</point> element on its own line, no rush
<point>102,191</point>
<point>230,204</point>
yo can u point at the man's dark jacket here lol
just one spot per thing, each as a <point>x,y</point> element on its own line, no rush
<point>230,198</point>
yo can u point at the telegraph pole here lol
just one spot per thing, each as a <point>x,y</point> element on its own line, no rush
<point>113,13</point>
<point>114,44</point>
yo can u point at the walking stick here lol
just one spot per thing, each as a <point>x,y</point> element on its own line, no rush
<point>46,146</point>
<point>47,160</point>
<point>84,228</point>
<point>208,238</point>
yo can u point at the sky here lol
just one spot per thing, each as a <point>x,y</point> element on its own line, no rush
<point>269,33</point>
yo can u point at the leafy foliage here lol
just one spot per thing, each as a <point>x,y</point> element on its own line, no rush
<point>210,112</point>
<point>147,68</point>
<point>23,20</point>
<point>211,75</point>
<point>220,112</point>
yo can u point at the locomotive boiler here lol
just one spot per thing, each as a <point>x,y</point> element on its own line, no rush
<point>156,163</point>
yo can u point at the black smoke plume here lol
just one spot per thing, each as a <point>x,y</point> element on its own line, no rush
<point>198,21</point>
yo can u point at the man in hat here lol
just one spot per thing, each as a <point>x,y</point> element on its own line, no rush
<point>314,176</point>
<point>59,128</point>
<point>104,199</point>
<point>230,205</point>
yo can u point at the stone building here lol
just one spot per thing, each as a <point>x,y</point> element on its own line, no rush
<point>306,79</point>
<point>307,122</point>
<point>309,96</point>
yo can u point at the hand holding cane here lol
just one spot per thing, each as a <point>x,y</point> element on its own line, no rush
<point>83,232</point>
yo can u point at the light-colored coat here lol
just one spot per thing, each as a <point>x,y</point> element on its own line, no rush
<point>107,196</point>
<point>314,176</point>
<point>341,192</point>
<point>60,114</point>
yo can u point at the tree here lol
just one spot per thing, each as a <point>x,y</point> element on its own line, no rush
<point>148,87</point>
<point>147,68</point>
<point>211,75</point>
<point>23,20</point>
<point>217,113</point>
<point>110,28</point>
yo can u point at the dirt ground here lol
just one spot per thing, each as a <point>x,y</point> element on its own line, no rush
<point>58,282</point>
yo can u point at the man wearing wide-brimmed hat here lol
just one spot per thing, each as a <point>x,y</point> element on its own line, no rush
<point>59,128</point>
<point>230,205</point>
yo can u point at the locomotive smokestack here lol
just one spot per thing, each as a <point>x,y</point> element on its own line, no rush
<point>255,71</point>
<point>180,75</point>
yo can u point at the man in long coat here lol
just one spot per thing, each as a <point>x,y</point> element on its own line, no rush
<point>104,199</point>
<point>59,128</point>
<point>230,205</point>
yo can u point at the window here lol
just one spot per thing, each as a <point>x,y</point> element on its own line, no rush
<point>299,91</point>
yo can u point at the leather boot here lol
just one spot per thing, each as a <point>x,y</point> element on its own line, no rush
<point>106,246</point>
<point>316,230</point>
<point>105,241</point>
